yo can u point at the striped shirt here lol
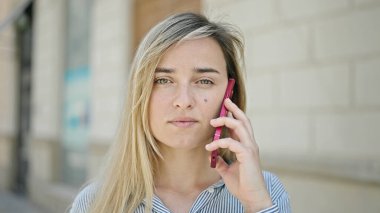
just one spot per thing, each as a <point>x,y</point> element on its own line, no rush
<point>216,198</point>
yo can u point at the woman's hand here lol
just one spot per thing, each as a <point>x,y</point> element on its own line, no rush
<point>243,177</point>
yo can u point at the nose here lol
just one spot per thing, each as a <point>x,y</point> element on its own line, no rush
<point>184,98</point>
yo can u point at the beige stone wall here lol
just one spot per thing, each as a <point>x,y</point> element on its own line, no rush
<point>48,68</point>
<point>8,95</point>
<point>110,56</point>
<point>313,71</point>
<point>47,79</point>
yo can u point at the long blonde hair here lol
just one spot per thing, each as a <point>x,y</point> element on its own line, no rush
<point>128,175</point>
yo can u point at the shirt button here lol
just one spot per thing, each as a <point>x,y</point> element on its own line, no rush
<point>211,190</point>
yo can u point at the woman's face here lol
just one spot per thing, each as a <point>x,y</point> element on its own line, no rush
<point>189,85</point>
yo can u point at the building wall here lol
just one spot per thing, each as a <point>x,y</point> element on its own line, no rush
<point>8,96</point>
<point>312,73</point>
<point>48,71</point>
<point>109,58</point>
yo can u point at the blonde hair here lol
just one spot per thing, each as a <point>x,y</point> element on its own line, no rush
<point>128,175</point>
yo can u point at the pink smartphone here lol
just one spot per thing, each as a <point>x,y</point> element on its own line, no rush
<point>223,113</point>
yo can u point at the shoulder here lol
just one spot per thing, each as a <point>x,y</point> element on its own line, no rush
<point>275,188</point>
<point>84,199</point>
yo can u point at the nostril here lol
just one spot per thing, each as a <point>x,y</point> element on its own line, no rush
<point>184,98</point>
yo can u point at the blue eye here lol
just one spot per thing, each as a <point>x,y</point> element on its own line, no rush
<point>205,81</point>
<point>161,81</point>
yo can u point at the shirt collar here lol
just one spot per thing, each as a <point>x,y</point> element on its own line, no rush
<point>218,184</point>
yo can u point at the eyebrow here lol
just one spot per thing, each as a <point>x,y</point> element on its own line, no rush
<point>164,70</point>
<point>206,70</point>
<point>196,69</point>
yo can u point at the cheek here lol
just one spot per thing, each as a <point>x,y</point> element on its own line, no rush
<point>156,113</point>
<point>159,106</point>
<point>212,105</point>
<point>159,98</point>
<point>155,106</point>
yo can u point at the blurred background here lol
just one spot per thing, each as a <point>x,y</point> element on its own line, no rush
<point>313,73</point>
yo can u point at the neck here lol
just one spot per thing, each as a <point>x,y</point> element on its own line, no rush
<point>185,170</point>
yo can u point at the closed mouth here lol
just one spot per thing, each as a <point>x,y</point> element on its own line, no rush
<point>183,122</point>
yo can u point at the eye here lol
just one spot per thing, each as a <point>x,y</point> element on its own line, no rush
<point>205,81</point>
<point>162,81</point>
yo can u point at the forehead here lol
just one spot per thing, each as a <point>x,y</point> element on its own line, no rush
<point>202,52</point>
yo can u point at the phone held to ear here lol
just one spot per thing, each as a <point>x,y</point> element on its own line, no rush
<point>223,113</point>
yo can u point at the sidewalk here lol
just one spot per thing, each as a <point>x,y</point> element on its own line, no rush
<point>12,203</point>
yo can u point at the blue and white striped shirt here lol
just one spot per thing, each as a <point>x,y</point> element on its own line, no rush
<point>216,198</point>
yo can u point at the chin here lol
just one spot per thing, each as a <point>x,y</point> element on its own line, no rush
<point>185,143</point>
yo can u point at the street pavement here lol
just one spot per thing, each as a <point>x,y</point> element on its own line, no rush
<point>12,203</point>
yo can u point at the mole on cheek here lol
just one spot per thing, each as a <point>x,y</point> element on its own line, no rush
<point>205,100</point>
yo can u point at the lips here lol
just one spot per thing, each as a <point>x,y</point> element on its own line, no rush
<point>184,122</point>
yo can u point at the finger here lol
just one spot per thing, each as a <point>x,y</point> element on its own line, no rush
<point>236,126</point>
<point>241,151</point>
<point>226,143</point>
<point>229,114</point>
<point>238,114</point>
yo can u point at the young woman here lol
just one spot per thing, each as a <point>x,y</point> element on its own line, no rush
<point>160,161</point>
